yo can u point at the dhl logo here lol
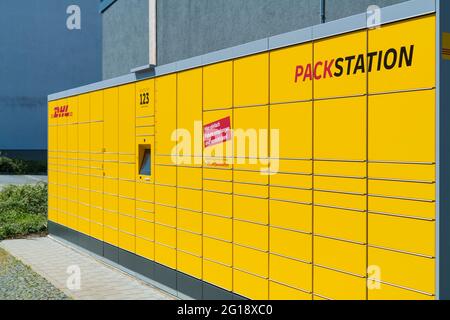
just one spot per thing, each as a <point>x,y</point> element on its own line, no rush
<point>61,112</point>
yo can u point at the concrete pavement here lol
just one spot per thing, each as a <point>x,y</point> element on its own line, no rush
<point>79,275</point>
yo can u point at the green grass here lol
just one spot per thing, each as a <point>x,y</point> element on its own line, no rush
<point>17,166</point>
<point>23,210</point>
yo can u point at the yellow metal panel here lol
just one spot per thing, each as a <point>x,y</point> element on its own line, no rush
<point>111,236</point>
<point>401,207</point>
<point>291,216</point>
<point>343,201</point>
<point>165,112</point>
<point>84,139</point>
<point>111,219</point>
<point>286,83</point>
<point>251,190</point>
<point>111,169</point>
<point>127,242</point>
<point>189,112</point>
<point>166,195</point>
<point>217,186</point>
<point>249,286</point>
<point>190,221</point>
<point>252,261</point>
<point>96,110</point>
<point>290,272</point>
<point>96,201</point>
<point>111,186</point>
<point>145,98</point>
<point>387,292</point>
<point>127,206</point>
<point>405,133</point>
<point>145,230</point>
<point>421,74</point>
<point>189,242</point>
<point>411,190</point>
<point>251,80</point>
<point>249,142</point>
<point>251,235</point>
<point>189,199</point>
<point>96,231</point>
<point>340,255</point>
<point>218,86</point>
<point>166,256</point>
<point>96,144</point>
<point>218,275</point>
<point>347,169</point>
<point>218,203</point>
<point>84,225</point>
<point>166,235</point>
<point>84,108</point>
<point>189,177</point>
<point>404,270</point>
<point>291,194</point>
<point>404,234</point>
<point>127,116</point>
<point>294,122</point>
<point>340,224</point>
<point>340,129</point>
<point>127,224</point>
<point>280,292</point>
<point>126,171</point>
<point>331,49</point>
<point>340,184</point>
<point>217,227</point>
<point>145,249</point>
<point>111,120</point>
<point>145,191</point>
<point>339,286</point>
<point>144,214</point>
<point>217,174</point>
<point>166,215</point>
<point>218,251</point>
<point>189,264</point>
<point>96,214</point>
<point>253,177</point>
<point>127,189</point>
<point>166,175</point>
<point>96,183</point>
<point>411,172</point>
<point>291,244</point>
<point>251,209</point>
<point>291,180</point>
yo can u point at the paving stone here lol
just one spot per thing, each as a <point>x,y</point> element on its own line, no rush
<point>51,258</point>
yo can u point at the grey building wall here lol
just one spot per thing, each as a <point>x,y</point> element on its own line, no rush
<point>39,56</point>
<point>125,37</point>
<point>187,28</point>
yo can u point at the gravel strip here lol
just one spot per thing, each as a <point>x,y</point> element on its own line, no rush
<point>19,282</point>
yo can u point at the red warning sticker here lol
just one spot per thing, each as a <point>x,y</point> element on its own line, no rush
<point>217,132</point>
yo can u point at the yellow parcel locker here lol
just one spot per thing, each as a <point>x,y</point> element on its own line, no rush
<point>111,123</point>
<point>127,126</point>
<point>251,80</point>
<point>406,132</point>
<point>294,123</point>
<point>340,129</point>
<point>145,99</point>
<point>190,116</point>
<point>283,87</point>
<point>166,113</point>
<point>352,81</point>
<point>420,46</point>
<point>218,86</point>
